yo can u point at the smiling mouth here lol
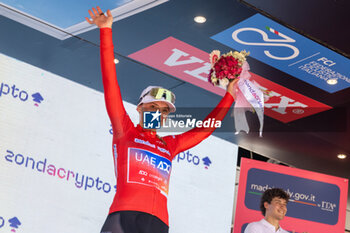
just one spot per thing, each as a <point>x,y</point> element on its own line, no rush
<point>282,212</point>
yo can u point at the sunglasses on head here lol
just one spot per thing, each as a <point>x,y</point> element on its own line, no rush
<point>159,93</point>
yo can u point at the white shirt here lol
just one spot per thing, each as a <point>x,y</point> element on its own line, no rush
<point>263,226</point>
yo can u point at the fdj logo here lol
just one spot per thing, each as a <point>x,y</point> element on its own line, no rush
<point>16,93</point>
<point>151,120</point>
<point>13,222</point>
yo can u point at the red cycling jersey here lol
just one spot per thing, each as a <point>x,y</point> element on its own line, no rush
<point>142,159</point>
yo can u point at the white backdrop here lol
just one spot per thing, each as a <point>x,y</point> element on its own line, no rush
<point>56,164</point>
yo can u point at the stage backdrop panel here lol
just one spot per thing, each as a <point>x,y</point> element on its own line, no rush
<point>286,50</point>
<point>317,203</point>
<point>186,62</point>
<point>56,163</point>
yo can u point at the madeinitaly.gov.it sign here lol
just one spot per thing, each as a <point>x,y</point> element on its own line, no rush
<point>289,52</point>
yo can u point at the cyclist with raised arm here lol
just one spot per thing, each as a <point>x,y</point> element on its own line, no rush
<point>142,158</point>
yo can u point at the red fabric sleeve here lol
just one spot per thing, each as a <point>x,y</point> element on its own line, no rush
<point>114,104</point>
<point>184,141</point>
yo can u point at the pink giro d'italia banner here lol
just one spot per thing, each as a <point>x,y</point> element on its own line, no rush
<point>317,203</point>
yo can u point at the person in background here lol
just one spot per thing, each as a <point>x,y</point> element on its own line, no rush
<point>142,159</point>
<point>273,206</point>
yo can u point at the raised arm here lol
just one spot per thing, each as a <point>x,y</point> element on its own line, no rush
<point>194,136</point>
<point>114,104</point>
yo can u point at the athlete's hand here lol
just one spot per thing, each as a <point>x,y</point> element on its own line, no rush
<point>99,18</point>
<point>232,88</point>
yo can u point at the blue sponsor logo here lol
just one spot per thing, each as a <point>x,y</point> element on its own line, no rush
<point>14,223</point>
<point>188,157</point>
<point>151,120</point>
<point>289,52</point>
<point>37,98</point>
<point>206,162</point>
<point>309,199</point>
<point>15,92</point>
<point>81,181</point>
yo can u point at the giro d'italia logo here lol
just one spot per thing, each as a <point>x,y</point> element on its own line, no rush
<point>151,120</point>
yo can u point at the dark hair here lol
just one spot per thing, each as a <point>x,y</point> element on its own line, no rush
<point>269,194</point>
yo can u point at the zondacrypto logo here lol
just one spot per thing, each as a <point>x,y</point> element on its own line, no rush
<point>189,157</point>
<point>11,90</point>
<point>80,180</point>
<point>14,223</point>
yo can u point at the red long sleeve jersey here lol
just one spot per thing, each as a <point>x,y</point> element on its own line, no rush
<point>143,160</point>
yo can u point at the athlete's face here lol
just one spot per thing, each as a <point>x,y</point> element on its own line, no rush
<point>277,209</point>
<point>160,106</point>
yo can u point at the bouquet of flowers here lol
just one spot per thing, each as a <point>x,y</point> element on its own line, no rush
<point>227,67</point>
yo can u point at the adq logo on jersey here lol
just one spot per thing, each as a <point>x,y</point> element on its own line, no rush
<point>18,93</point>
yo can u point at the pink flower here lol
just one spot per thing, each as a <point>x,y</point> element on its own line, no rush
<point>230,76</point>
<point>225,68</point>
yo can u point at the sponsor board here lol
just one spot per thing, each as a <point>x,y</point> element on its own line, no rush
<point>317,201</point>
